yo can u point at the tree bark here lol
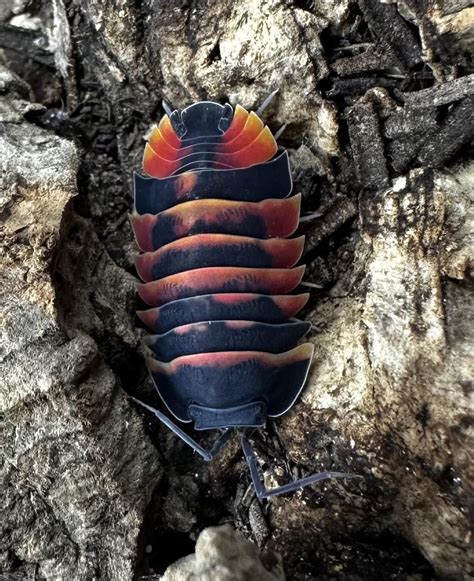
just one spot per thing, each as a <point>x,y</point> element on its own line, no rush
<point>377,101</point>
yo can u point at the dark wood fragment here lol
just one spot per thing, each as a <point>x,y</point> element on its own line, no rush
<point>456,130</point>
<point>25,42</point>
<point>387,25</point>
<point>367,61</point>
<point>367,145</point>
<point>441,94</point>
<point>358,86</point>
<point>338,213</point>
<point>401,152</point>
<point>409,121</point>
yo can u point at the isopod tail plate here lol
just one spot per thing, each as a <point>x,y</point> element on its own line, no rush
<point>229,379</point>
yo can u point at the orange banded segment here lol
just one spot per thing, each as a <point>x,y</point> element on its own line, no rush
<point>252,129</point>
<point>272,281</point>
<point>267,219</point>
<point>203,250</point>
<point>142,226</point>
<point>237,124</point>
<point>161,147</point>
<point>281,216</point>
<point>157,166</point>
<point>249,133</point>
<point>261,149</point>
<point>169,134</point>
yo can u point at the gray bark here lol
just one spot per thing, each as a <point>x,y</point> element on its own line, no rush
<point>377,99</point>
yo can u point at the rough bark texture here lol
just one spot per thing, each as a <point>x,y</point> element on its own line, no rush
<point>377,98</point>
<point>77,469</point>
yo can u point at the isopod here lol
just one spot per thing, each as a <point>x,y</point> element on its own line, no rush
<point>213,219</point>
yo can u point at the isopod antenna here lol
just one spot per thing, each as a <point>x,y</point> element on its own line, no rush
<point>207,455</point>
<point>259,486</point>
<point>249,454</point>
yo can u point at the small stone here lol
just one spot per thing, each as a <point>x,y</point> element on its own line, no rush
<point>222,554</point>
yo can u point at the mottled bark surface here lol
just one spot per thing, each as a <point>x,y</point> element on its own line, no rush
<point>377,99</point>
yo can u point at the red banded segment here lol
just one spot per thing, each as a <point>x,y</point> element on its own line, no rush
<point>261,149</point>
<point>204,250</point>
<point>169,134</point>
<point>165,131</point>
<point>267,219</point>
<point>272,281</point>
<point>225,359</point>
<point>238,123</point>
<point>161,147</point>
<point>252,129</point>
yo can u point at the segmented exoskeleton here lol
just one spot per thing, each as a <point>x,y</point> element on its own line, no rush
<point>213,221</point>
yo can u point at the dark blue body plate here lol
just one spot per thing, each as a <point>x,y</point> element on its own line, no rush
<point>212,336</point>
<point>254,184</point>
<point>263,308</point>
<point>246,254</point>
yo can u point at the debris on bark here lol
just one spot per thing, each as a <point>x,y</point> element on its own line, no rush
<point>456,130</point>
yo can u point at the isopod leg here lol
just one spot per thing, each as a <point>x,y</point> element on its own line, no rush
<point>260,489</point>
<point>207,455</point>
